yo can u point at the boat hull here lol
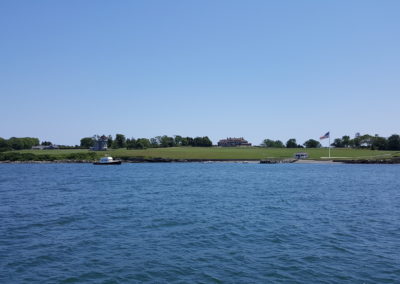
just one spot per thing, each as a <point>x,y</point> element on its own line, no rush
<point>108,163</point>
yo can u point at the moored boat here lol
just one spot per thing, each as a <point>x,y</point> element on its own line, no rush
<point>107,161</point>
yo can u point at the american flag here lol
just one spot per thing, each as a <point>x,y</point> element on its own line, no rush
<point>325,136</point>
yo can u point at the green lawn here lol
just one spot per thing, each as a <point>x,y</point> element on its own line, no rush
<point>223,153</point>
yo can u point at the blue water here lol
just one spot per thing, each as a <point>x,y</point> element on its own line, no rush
<point>199,223</point>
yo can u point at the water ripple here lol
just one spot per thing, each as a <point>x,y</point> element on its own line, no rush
<point>199,223</point>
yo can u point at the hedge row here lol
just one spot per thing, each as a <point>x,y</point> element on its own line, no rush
<point>15,156</point>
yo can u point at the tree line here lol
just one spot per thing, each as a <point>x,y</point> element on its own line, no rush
<point>365,141</point>
<point>25,143</point>
<point>291,143</point>
<point>120,141</point>
<point>15,143</point>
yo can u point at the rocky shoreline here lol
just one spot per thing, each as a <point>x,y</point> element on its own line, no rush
<point>139,160</point>
<point>395,160</point>
<point>48,162</point>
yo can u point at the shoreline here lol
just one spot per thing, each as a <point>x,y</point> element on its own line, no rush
<point>243,161</point>
<point>318,162</point>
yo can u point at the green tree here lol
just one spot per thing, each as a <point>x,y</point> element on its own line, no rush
<point>23,143</point>
<point>346,141</point>
<point>185,141</point>
<point>355,142</point>
<point>337,143</point>
<point>311,143</point>
<point>379,143</point>
<point>166,141</point>
<point>291,143</point>
<point>145,143</point>
<point>393,142</point>
<point>16,143</point>
<point>154,142</point>
<point>272,144</point>
<point>178,140</point>
<point>202,142</point>
<point>279,144</point>
<point>268,143</point>
<point>30,141</point>
<point>4,145</point>
<point>131,143</point>
<point>109,141</point>
<point>207,142</point>
<point>190,141</point>
<point>87,142</point>
<point>140,143</point>
<point>120,141</point>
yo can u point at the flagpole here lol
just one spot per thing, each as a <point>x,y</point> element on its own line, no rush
<point>327,135</point>
<point>329,146</point>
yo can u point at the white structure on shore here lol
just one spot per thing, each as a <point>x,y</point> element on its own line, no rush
<point>100,143</point>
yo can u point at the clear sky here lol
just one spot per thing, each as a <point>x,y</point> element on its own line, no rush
<point>257,69</point>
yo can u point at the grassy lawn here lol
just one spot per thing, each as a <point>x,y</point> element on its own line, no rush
<point>224,153</point>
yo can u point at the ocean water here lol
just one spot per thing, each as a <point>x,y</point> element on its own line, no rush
<point>199,223</point>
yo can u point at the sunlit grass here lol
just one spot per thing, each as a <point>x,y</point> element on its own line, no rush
<point>233,153</point>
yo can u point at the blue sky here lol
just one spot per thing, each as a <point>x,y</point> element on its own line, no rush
<point>257,69</point>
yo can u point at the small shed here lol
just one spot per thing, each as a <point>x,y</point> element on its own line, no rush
<point>301,155</point>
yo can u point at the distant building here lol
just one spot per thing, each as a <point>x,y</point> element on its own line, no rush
<point>233,142</point>
<point>100,144</point>
<point>301,155</point>
<point>47,147</point>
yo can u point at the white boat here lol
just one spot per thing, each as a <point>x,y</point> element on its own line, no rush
<point>107,161</point>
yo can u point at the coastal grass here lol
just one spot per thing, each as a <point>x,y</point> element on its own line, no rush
<point>205,153</point>
<point>244,153</point>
